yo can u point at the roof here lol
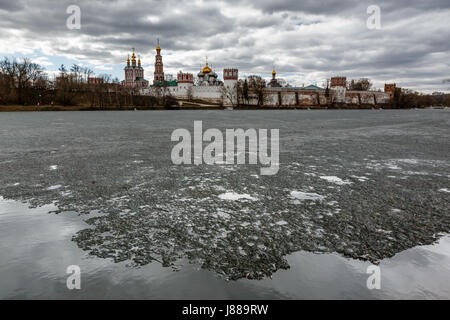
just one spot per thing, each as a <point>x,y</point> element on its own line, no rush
<point>172,83</point>
<point>312,87</point>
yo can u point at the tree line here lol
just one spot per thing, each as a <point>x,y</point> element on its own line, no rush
<point>26,83</point>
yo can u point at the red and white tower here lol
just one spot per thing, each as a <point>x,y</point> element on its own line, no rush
<point>230,77</point>
<point>159,68</point>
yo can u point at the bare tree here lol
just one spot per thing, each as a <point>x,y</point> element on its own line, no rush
<point>257,86</point>
<point>21,76</point>
<point>230,94</point>
<point>362,84</point>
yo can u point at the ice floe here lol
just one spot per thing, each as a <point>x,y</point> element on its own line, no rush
<point>335,180</point>
<point>304,196</point>
<point>54,187</point>
<point>232,196</point>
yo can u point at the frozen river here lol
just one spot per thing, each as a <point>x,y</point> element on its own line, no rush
<point>99,190</point>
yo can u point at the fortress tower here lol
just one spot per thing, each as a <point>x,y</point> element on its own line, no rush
<point>230,77</point>
<point>338,82</point>
<point>390,88</point>
<point>185,78</point>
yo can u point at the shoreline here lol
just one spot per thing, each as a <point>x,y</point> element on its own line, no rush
<point>16,108</point>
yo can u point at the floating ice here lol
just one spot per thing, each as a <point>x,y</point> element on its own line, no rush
<point>335,180</point>
<point>362,179</point>
<point>303,196</point>
<point>54,187</point>
<point>236,196</point>
<point>444,190</point>
<point>54,167</point>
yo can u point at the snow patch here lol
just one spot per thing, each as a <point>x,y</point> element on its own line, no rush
<point>335,180</point>
<point>54,187</point>
<point>232,196</point>
<point>304,196</point>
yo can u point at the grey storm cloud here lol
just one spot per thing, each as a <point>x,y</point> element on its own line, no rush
<point>313,39</point>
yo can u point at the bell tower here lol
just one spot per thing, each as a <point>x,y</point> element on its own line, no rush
<point>159,67</point>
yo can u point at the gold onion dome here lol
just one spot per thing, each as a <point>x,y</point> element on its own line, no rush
<point>206,69</point>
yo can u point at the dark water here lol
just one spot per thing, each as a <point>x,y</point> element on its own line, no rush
<point>390,206</point>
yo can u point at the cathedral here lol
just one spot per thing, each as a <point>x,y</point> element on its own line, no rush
<point>134,73</point>
<point>207,77</point>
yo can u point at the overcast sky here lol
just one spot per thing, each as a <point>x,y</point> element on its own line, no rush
<point>307,41</point>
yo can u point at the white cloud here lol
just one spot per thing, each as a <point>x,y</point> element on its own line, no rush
<point>308,41</point>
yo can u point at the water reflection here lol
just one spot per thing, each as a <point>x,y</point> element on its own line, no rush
<point>36,249</point>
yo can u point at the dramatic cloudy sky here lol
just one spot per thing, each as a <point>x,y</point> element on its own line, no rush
<point>307,40</point>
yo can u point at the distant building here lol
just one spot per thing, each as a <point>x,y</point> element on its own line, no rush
<point>134,73</point>
<point>207,77</point>
<point>338,82</point>
<point>95,80</point>
<point>390,88</point>
<point>169,77</point>
<point>208,87</point>
<point>274,83</point>
<point>312,87</point>
<point>185,78</point>
<point>158,75</point>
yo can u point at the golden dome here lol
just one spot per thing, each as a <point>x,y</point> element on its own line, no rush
<point>274,73</point>
<point>206,69</point>
<point>158,47</point>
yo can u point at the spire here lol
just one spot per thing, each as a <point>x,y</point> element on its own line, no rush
<point>139,60</point>
<point>133,58</point>
<point>274,73</point>
<point>206,69</point>
<point>128,60</point>
<point>158,48</point>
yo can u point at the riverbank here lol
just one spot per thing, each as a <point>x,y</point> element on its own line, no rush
<point>190,106</point>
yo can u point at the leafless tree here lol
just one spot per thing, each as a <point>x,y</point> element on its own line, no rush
<point>362,84</point>
<point>20,76</point>
<point>257,86</point>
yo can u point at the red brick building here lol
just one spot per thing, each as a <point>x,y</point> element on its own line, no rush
<point>338,82</point>
<point>95,81</point>
<point>390,88</point>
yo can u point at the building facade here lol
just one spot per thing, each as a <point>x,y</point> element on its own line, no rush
<point>134,73</point>
<point>390,88</point>
<point>207,87</point>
